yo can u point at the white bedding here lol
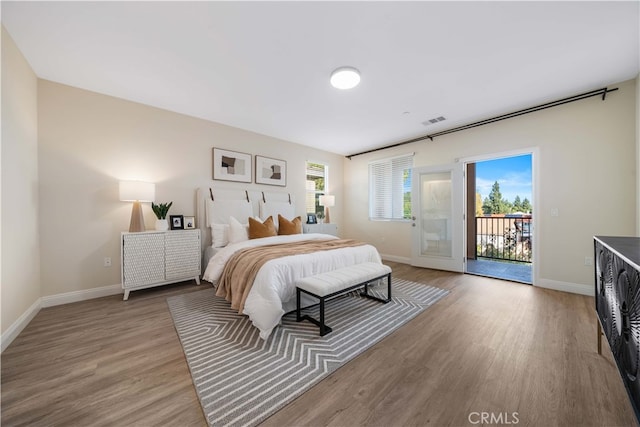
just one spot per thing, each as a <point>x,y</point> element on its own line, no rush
<point>273,292</point>
<point>209,252</point>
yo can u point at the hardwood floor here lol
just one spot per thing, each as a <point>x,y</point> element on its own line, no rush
<point>490,346</point>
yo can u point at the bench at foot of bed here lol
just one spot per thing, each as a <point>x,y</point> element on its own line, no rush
<point>337,282</point>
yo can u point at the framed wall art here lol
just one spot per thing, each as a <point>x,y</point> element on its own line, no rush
<point>231,165</point>
<point>271,171</point>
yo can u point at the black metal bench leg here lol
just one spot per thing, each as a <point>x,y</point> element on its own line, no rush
<point>389,287</point>
<point>323,327</point>
<point>366,294</point>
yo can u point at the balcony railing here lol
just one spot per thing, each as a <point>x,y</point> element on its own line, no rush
<point>504,238</point>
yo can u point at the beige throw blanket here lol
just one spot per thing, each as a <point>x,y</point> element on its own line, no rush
<point>241,269</point>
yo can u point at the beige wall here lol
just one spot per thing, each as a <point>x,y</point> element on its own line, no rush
<point>89,142</point>
<point>587,152</point>
<point>20,260</point>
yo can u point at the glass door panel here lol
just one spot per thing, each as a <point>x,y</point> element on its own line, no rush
<point>438,219</point>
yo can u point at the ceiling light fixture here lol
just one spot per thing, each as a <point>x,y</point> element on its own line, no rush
<point>345,78</point>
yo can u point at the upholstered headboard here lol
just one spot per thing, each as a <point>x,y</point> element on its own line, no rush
<point>215,205</point>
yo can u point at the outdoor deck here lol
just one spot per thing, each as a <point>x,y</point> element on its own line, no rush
<point>516,272</point>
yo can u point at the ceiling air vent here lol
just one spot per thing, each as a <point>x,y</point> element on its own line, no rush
<point>433,121</point>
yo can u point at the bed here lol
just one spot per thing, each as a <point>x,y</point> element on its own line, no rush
<point>272,293</point>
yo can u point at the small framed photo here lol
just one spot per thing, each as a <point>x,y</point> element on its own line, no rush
<point>176,222</point>
<point>311,218</point>
<point>231,166</point>
<point>189,222</point>
<point>271,171</point>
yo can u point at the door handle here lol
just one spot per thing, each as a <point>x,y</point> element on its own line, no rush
<point>413,218</point>
<point>413,225</point>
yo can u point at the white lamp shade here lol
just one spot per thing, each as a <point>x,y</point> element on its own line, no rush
<point>327,200</point>
<point>132,191</point>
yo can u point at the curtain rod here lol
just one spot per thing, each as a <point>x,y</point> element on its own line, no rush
<point>602,91</point>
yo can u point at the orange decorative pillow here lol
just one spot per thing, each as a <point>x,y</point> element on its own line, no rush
<point>289,227</point>
<point>258,230</point>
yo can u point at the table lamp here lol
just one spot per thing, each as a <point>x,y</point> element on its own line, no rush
<point>136,192</point>
<point>327,201</point>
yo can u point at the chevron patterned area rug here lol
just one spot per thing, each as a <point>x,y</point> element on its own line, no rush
<point>241,379</point>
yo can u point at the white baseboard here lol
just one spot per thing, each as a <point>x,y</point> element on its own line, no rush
<point>14,330</point>
<point>50,301</point>
<point>400,259</point>
<point>574,288</point>
<point>83,295</point>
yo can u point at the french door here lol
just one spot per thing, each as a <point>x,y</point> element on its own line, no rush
<point>438,217</point>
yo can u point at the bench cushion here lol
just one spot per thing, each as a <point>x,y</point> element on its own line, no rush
<point>336,280</point>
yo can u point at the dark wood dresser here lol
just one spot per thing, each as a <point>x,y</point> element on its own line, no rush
<point>617,297</point>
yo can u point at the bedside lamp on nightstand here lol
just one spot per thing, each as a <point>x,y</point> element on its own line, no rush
<point>137,192</point>
<point>327,201</point>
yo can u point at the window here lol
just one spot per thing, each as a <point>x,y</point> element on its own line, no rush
<point>390,188</point>
<point>317,177</point>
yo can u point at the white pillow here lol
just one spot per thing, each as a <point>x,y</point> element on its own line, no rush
<point>220,235</point>
<point>238,232</point>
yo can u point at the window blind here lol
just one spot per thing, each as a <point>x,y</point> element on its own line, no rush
<point>390,188</point>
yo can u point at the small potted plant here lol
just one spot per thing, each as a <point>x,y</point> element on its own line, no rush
<point>320,216</point>
<point>161,213</point>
